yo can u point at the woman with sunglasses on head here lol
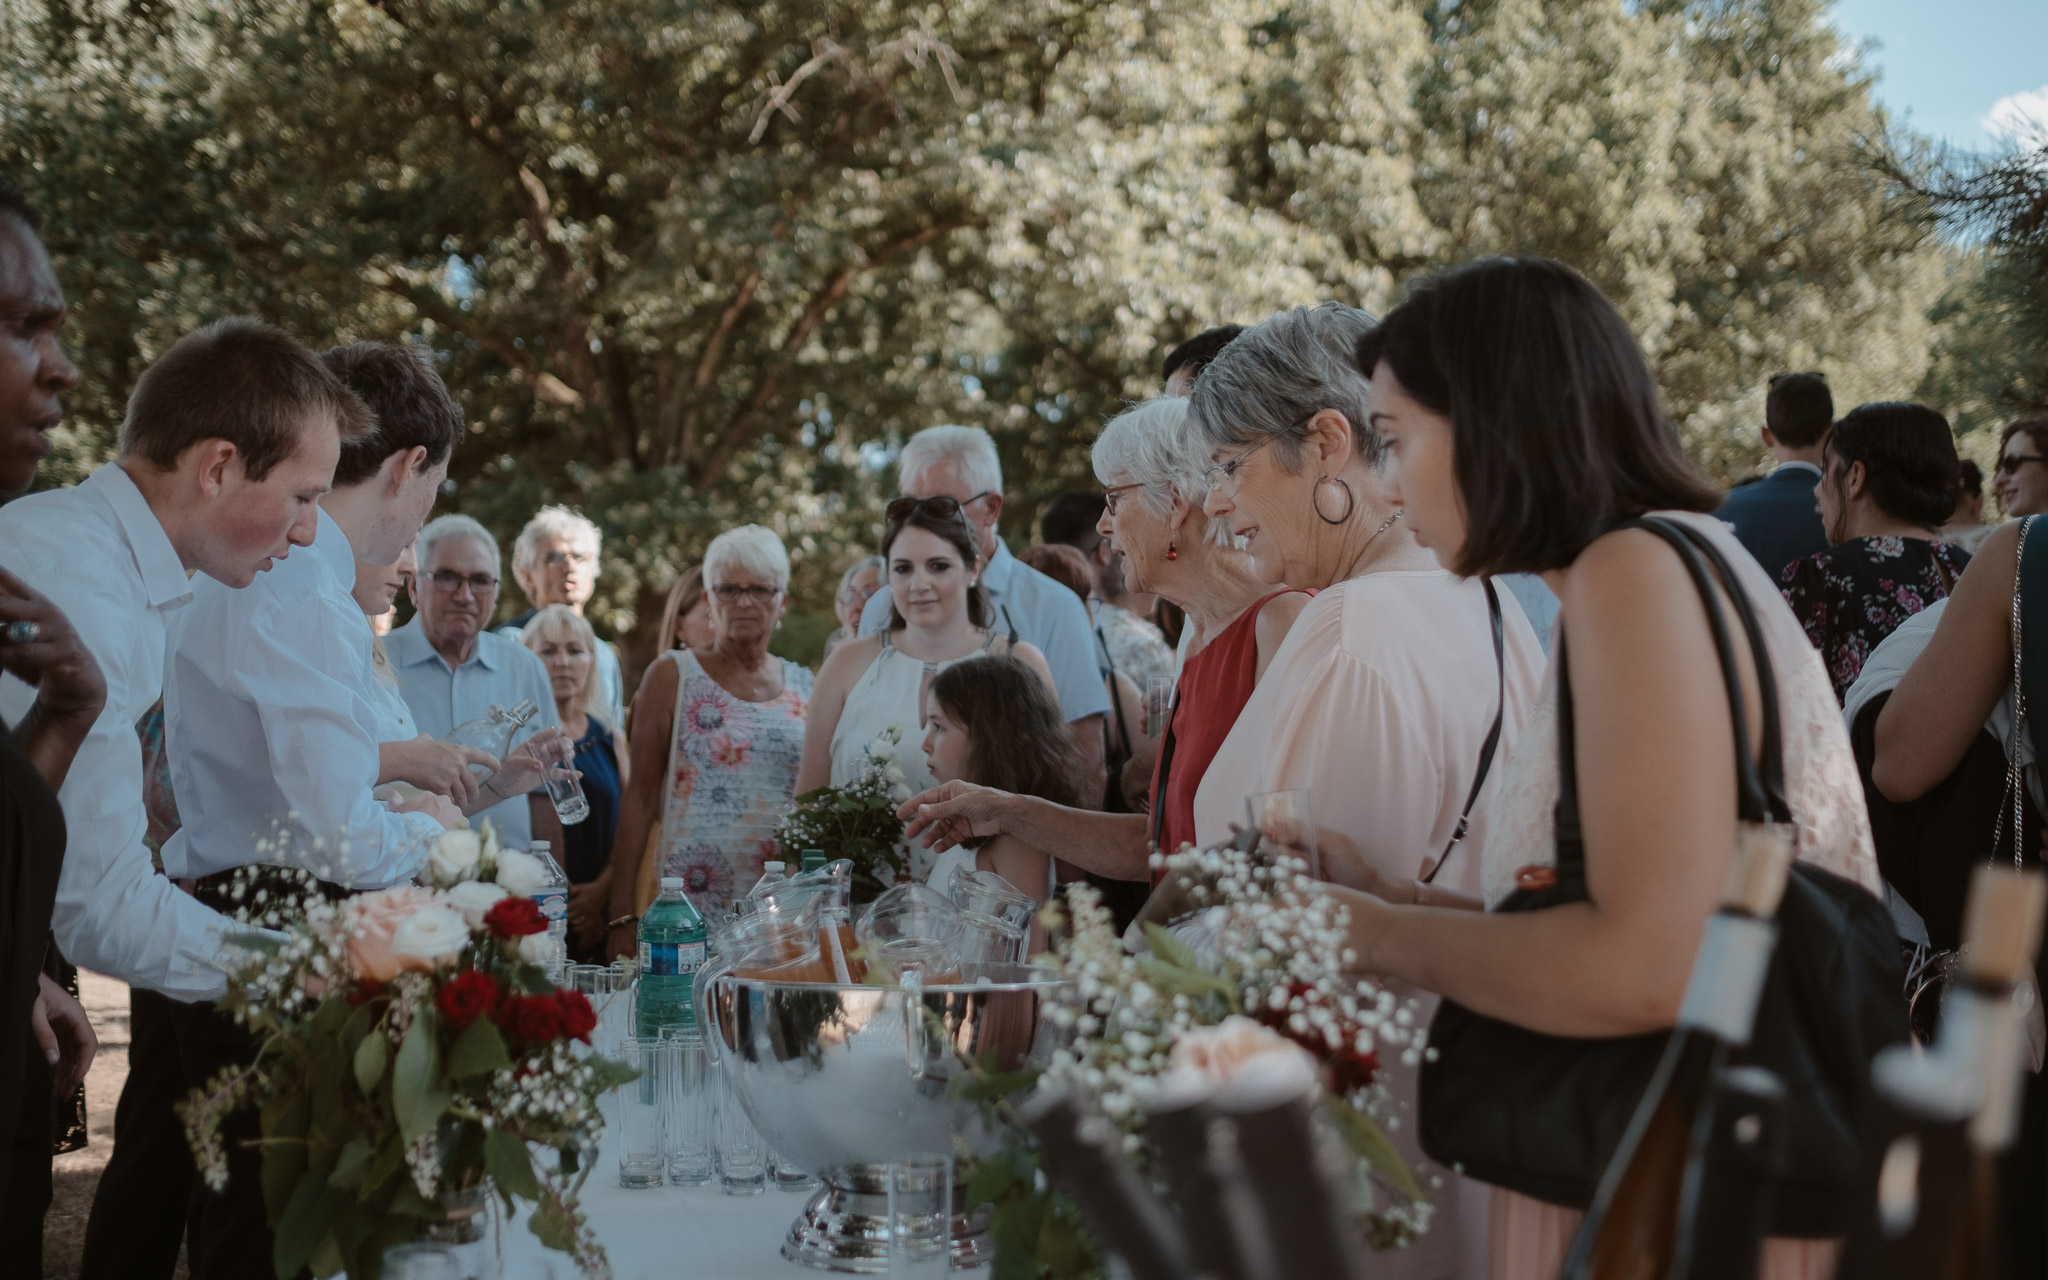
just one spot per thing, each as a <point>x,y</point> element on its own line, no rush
<point>716,734</point>
<point>1524,429</point>
<point>938,615</point>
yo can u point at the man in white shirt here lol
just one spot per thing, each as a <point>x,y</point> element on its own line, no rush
<point>961,463</point>
<point>454,669</point>
<point>229,440</point>
<point>270,719</point>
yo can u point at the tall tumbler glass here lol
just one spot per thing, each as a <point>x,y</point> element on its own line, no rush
<point>643,1156</point>
<point>742,1155</point>
<point>1286,824</point>
<point>1158,705</point>
<point>920,1216</point>
<point>687,1110</point>
<point>423,1260</point>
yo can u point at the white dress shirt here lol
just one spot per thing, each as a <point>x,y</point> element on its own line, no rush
<point>99,553</point>
<point>500,671</point>
<point>1044,614</point>
<point>270,714</point>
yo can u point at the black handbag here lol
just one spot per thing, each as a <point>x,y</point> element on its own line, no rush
<point>1542,1114</point>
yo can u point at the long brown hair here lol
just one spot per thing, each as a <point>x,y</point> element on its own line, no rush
<point>1017,737</point>
<point>682,598</point>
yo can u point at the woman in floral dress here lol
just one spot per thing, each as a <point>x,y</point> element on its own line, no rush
<point>716,739</point>
<point>1887,484</point>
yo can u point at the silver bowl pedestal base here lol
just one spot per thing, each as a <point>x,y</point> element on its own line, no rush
<point>845,1227</point>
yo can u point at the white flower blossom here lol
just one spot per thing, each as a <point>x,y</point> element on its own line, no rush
<point>434,934</point>
<point>454,857</point>
<point>473,898</point>
<point>521,874</point>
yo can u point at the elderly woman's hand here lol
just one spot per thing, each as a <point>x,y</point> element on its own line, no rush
<point>954,811</point>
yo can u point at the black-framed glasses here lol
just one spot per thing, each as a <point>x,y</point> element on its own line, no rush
<point>940,505</point>
<point>1115,494</point>
<point>451,582</point>
<point>733,593</point>
<point>2010,463</point>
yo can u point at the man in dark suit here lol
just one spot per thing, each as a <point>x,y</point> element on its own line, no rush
<point>1775,517</point>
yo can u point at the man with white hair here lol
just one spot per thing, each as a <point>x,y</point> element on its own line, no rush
<point>452,667</point>
<point>961,463</point>
<point>554,560</point>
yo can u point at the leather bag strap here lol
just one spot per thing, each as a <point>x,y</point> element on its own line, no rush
<point>1492,743</point>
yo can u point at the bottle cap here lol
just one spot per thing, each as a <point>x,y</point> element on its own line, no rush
<point>771,866</point>
<point>672,882</point>
<point>537,846</point>
<point>812,859</point>
<point>2002,923</point>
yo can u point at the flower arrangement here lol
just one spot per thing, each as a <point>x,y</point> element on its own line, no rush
<point>411,1050</point>
<point>857,821</point>
<point>1259,968</point>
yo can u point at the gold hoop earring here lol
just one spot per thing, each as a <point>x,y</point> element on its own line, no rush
<point>1315,499</point>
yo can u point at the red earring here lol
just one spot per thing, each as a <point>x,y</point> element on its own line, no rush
<point>1173,549</point>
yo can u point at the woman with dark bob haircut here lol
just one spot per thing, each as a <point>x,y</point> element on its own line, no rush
<point>1887,486</point>
<point>1523,424</point>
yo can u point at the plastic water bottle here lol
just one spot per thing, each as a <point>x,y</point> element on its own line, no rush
<point>553,896</point>
<point>773,876</point>
<point>671,951</point>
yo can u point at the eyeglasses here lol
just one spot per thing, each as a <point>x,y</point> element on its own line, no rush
<point>733,593</point>
<point>451,582</point>
<point>556,559</point>
<point>2012,462</point>
<point>940,505</point>
<point>1115,494</point>
<point>1220,474</point>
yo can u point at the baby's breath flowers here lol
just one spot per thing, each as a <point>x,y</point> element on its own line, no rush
<point>411,1046</point>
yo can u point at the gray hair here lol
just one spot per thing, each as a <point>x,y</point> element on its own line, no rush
<point>971,447</point>
<point>853,570</point>
<point>1278,374</point>
<point>452,528</point>
<point>1152,445</point>
<point>553,522</point>
<point>750,547</point>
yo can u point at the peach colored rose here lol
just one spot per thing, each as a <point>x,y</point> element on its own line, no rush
<point>1219,1052</point>
<point>370,920</point>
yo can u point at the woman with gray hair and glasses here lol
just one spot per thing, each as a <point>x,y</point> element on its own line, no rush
<point>1150,464</point>
<point>1389,689</point>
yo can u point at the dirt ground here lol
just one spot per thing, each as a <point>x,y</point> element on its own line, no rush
<point>78,1172</point>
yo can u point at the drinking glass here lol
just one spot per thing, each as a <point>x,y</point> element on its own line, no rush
<point>557,757</point>
<point>920,1216</point>
<point>1284,818</point>
<point>1158,704</point>
<point>742,1155</point>
<point>422,1260</point>
<point>643,1158</point>
<point>687,1108</point>
<point>790,1177</point>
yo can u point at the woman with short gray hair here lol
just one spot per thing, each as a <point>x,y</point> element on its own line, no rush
<point>716,738</point>
<point>1381,705</point>
<point>1150,464</point>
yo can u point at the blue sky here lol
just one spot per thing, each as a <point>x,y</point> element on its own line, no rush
<point>1945,64</point>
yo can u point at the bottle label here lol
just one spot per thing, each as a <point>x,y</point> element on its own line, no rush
<point>553,904</point>
<point>1728,976</point>
<point>671,959</point>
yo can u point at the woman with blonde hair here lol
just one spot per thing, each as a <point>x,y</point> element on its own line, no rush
<point>566,645</point>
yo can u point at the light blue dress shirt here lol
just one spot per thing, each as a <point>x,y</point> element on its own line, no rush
<point>1046,615</point>
<point>270,716</point>
<point>499,671</point>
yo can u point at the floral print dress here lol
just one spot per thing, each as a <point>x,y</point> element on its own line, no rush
<point>1854,594</point>
<point>732,777</point>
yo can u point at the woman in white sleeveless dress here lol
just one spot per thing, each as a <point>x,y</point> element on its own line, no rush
<point>869,686</point>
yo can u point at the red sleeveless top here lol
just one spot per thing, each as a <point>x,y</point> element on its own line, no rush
<point>1214,685</point>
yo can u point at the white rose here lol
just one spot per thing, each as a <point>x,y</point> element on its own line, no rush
<point>520,873</point>
<point>454,857</point>
<point>434,934</point>
<point>474,897</point>
<point>537,949</point>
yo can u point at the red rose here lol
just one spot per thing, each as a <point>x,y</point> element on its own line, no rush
<point>511,918</point>
<point>533,1019</point>
<point>368,990</point>
<point>468,997</point>
<point>577,1017</point>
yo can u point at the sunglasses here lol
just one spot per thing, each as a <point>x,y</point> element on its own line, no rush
<point>941,506</point>
<point>2011,463</point>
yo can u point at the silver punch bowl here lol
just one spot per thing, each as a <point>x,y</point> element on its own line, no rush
<point>842,1079</point>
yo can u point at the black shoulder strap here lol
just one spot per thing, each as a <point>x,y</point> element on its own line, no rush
<point>1116,703</point>
<point>1760,791</point>
<point>1010,623</point>
<point>1492,743</point>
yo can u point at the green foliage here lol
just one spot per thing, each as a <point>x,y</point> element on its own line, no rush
<point>692,264</point>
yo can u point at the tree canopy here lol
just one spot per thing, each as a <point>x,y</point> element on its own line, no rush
<point>690,264</point>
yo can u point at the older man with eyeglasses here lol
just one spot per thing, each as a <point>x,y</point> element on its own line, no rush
<point>454,669</point>
<point>960,463</point>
